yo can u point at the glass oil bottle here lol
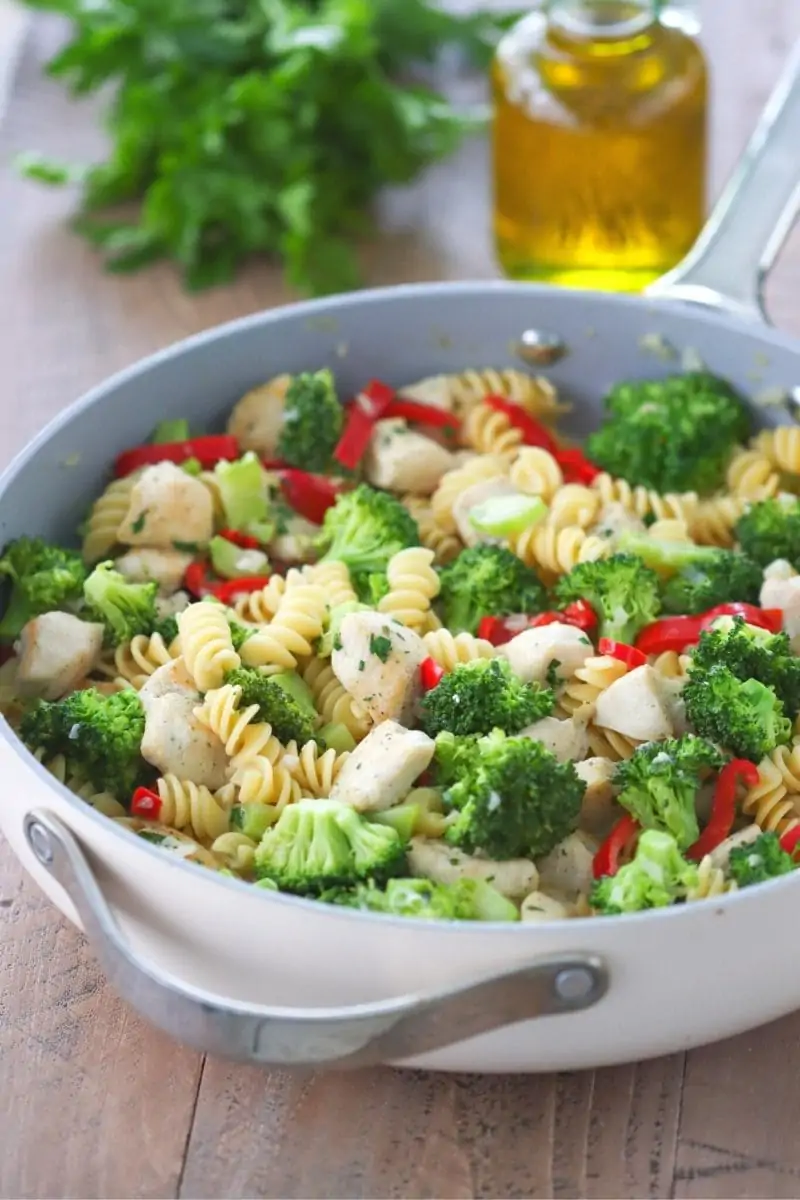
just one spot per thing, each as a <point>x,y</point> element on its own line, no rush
<point>599,144</point>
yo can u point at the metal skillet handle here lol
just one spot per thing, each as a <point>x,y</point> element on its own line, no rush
<point>727,267</point>
<point>364,1034</point>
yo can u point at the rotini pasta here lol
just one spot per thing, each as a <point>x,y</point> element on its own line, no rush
<point>607,743</point>
<point>750,476</point>
<point>242,736</point>
<point>643,502</point>
<point>260,781</point>
<point>334,703</point>
<point>579,694</point>
<point>313,769</point>
<point>711,881</point>
<point>554,551</point>
<point>445,546</point>
<point>106,516</point>
<point>573,504</point>
<point>135,661</point>
<point>781,447</point>
<point>292,632</point>
<point>448,649</point>
<point>460,392</point>
<point>768,802</point>
<point>258,608</point>
<point>413,584</point>
<point>711,523</point>
<point>536,473</point>
<point>672,665</point>
<point>187,806</point>
<point>334,579</point>
<point>206,644</point>
<point>491,432</point>
<point>453,483</point>
<point>236,850</point>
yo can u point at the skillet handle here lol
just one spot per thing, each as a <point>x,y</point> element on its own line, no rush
<point>355,1036</point>
<point>727,267</point>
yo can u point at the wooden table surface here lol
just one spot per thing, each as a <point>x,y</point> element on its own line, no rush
<point>93,1103</point>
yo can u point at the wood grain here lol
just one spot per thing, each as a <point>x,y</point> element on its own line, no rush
<point>96,1104</point>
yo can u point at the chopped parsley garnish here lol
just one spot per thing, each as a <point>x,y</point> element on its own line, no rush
<point>138,525</point>
<point>186,547</point>
<point>380,646</point>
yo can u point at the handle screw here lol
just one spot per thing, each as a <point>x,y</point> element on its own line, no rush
<point>541,349</point>
<point>39,841</point>
<point>574,984</point>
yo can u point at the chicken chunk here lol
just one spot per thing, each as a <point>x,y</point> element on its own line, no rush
<point>384,678</point>
<point>568,740</point>
<point>599,810</point>
<point>568,867</point>
<point>436,860</point>
<point>173,677</point>
<point>615,519</point>
<point>402,460</point>
<point>781,589</point>
<point>721,854</point>
<point>176,743</point>
<point>382,769</point>
<point>296,543</point>
<point>485,489</point>
<point>434,390</point>
<point>257,419</point>
<point>166,506</point>
<point>634,707</point>
<point>530,653</point>
<point>540,907</point>
<point>55,651</point>
<point>164,567</point>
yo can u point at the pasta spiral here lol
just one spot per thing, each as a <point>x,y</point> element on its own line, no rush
<point>413,584</point>
<point>258,608</point>
<point>750,476</point>
<point>782,447</point>
<point>712,521</point>
<point>136,660</point>
<point>670,530</point>
<point>206,644</point>
<point>536,473</point>
<point>573,504</point>
<point>491,432</point>
<point>237,851</point>
<point>535,394</point>
<point>449,650</point>
<point>104,802</point>
<point>643,502</point>
<point>768,803</point>
<point>788,763</point>
<point>445,546</point>
<point>290,635</point>
<point>334,703</point>
<point>315,770</point>
<point>597,673</point>
<point>262,782</point>
<point>607,743</point>
<point>334,579</point>
<point>106,515</point>
<point>672,665</point>
<point>187,805</point>
<point>453,483</point>
<point>243,737</point>
<point>557,551</point>
<point>711,881</point>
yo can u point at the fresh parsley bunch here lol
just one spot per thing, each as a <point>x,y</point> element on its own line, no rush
<point>248,127</point>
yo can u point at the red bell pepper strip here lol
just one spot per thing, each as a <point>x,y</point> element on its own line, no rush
<point>580,614</point>
<point>494,630</point>
<point>431,674</point>
<point>533,432</point>
<point>545,618</point>
<point>764,618</point>
<point>790,840</point>
<point>629,655</point>
<point>606,860</point>
<point>421,414</point>
<point>195,579</point>
<point>723,809</point>
<point>207,450</point>
<point>575,466</point>
<point>309,495</point>
<point>146,804</point>
<point>229,589</point>
<point>367,408</point>
<point>245,540</point>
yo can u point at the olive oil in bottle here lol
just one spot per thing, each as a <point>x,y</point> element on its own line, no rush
<point>599,144</point>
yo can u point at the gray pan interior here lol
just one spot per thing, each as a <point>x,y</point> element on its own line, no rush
<point>398,335</point>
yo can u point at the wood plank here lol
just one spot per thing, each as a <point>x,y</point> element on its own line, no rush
<point>93,1102</point>
<point>407,1134</point>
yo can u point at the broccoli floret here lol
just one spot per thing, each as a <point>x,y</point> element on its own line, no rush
<point>319,844</point>
<point>480,696</point>
<point>175,429</point>
<point>674,435</point>
<point>453,757</point>
<point>291,719</point>
<point>466,900</point>
<point>752,653</point>
<point>657,876</point>
<point>699,577</point>
<point>759,861</point>
<point>167,627</point>
<point>100,734</point>
<point>622,590</point>
<point>239,633</point>
<point>43,578</point>
<point>313,420</point>
<point>364,529</point>
<point>243,492</point>
<point>659,783</point>
<point>770,530</point>
<point>253,819</point>
<point>744,716</point>
<point>124,608</point>
<point>487,581</point>
<point>514,799</point>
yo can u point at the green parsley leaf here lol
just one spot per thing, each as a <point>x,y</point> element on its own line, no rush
<point>380,646</point>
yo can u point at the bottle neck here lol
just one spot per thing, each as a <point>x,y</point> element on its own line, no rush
<point>602,20</point>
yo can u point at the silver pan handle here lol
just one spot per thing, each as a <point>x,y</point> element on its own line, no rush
<point>386,1031</point>
<point>727,267</point>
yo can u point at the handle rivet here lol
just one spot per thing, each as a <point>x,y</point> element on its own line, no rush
<point>574,983</point>
<point>39,840</point>
<point>541,349</point>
